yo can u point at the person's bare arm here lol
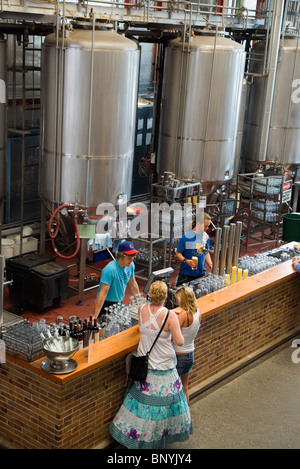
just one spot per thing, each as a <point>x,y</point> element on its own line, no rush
<point>174,328</point>
<point>181,258</point>
<point>295,260</point>
<point>133,285</point>
<point>100,299</point>
<point>208,260</point>
<point>181,316</point>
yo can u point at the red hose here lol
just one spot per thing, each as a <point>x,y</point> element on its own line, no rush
<point>53,236</point>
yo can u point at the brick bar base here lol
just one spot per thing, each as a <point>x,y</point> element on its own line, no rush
<point>36,412</point>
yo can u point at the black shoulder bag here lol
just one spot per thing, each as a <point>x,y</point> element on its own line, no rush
<point>139,365</point>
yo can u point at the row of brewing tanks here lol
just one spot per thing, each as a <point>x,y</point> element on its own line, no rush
<point>32,341</point>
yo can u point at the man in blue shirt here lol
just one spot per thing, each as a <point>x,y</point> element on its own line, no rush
<point>194,243</point>
<point>115,277</point>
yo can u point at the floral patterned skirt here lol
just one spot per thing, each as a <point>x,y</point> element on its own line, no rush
<point>154,413</point>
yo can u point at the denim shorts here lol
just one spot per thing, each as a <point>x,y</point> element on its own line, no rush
<point>184,363</point>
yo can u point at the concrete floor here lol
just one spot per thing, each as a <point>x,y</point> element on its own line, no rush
<point>257,408</point>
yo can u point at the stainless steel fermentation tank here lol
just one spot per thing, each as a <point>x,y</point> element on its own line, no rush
<point>89,100</point>
<point>284,129</point>
<point>3,129</point>
<point>201,96</point>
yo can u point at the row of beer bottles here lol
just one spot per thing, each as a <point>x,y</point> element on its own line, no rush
<point>86,332</point>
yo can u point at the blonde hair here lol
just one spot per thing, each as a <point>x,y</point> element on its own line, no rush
<point>158,291</point>
<point>187,299</point>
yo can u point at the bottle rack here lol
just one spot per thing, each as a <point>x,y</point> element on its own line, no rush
<point>152,255</point>
<point>174,192</point>
<point>259,208</point>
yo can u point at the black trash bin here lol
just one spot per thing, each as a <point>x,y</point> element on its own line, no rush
<point>37,280</point>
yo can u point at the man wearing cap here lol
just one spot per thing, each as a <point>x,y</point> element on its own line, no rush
<point>115,277</point>
<point>194,243</point>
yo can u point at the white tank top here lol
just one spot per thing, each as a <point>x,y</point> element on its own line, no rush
<point>189,334</point>
<point>162,356</point>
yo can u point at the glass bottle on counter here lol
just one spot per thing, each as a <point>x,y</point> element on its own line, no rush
<point>96,334</point>
<point>79,336</point>
<point>85,334</point>
<point>90,323</point>
<point>89,327</point>
<point>74,331</point>
<point>71,328</point>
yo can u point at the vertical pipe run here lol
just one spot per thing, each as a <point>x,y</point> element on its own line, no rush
<point>223,249</point>
<point>236,249</point>
<point>273,58</point>
<point>230,248</point>
<point>217,251</point>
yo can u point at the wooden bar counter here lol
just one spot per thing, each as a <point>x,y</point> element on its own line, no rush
<point>239,323</point>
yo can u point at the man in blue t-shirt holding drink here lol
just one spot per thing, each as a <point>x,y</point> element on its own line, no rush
<point>115,277</point>
<point>194,244</point>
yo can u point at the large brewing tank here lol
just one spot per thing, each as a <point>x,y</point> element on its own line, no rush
<point>3,128</point>
<point>284,130</point>
<point>201,96</point>
<point>89,100</point>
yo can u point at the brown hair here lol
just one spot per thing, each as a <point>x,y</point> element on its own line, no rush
<point>121,255</point>
<point>206,217</point>
<point>187,299</point>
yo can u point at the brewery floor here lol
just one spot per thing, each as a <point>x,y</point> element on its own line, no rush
<point>255,408</point>
<point>71,306</point>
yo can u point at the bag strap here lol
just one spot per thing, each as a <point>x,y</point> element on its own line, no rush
<point>163,325</point>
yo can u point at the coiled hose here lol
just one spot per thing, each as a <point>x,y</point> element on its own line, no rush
<point>53,236</point>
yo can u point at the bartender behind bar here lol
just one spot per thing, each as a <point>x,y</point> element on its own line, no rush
<point>115,277</point>
<point>193,251</point>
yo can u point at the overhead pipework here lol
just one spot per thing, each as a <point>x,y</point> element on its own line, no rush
<point>240,13</point>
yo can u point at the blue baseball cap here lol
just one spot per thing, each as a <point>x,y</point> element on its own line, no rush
<point>127,247</point>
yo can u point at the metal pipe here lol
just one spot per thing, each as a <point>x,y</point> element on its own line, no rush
<point>210,91</point>
<point>217,250</point>
<point>236,249</point>
<point>90,110</point>
<point>223,249</point>
<point>83,248</point>
<point>267,106</point>
<point>230,248</point>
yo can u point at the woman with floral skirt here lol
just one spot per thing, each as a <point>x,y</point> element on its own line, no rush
<point>155,413</point>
